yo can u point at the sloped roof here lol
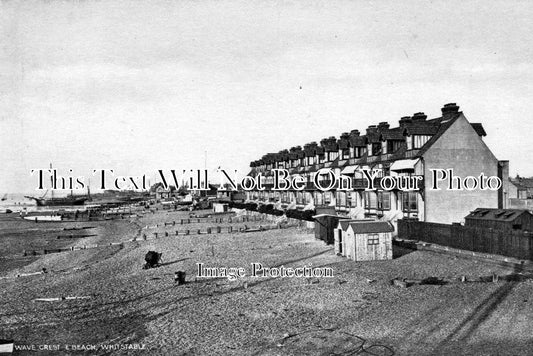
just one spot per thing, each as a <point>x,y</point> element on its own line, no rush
<point>344,223</point>
<point>409,126</point>
<point>392,134</point>
<point>365,227</point>
<point>357,141</point>
<point>419,128</point>
<point>496,214</point>
<point>343,143</point>
<point>373,136</point>
<point>444,125</point>
<point>479,129</point>
<point>523,182</point>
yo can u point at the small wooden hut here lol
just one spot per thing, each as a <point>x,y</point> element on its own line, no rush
<point>220,207</point>
<point>368,240</point>
<point>339,235</point>
<point>325,225</point>
<point>500,219</point>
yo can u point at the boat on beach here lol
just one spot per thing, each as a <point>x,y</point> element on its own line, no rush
<point>58,201</point>
<point>70,200</point>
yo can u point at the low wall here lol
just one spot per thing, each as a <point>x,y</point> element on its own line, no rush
<point>517,244</point>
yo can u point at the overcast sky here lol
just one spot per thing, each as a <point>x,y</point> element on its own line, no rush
<point>144,85</point>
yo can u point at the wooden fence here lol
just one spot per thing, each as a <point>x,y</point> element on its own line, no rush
<point>512,243</point>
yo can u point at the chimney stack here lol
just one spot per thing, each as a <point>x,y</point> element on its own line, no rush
<point>449,110</point>
<point>371,129</point>
<point>419,117</point>
<point>405,120</point>
<point>384,125</point>
<point>345,135</point>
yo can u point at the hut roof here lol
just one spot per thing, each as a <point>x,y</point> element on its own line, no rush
<point>365,227</point>
<point>496,214</point>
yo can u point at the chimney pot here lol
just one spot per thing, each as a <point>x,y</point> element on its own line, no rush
<point>404,120</point>
<point>371,128</point>
<point>419,116</point>
<point>383,125</point>
<point>449,110</point>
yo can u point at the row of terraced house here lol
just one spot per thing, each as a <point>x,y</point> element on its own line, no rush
<point>415,147</point>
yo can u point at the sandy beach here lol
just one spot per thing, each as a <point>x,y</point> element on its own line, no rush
<point>108,304</point>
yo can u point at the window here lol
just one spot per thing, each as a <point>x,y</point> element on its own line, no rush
<point>346,153</point>
<point>420,140</point>
<point>393,145</point>
<point>370,200</point>
<point>341,198</point>
<point>349,201</point>
<point>318,198</point>
<point>409,141</point>
<point>409,201</point>
<point>359,152</point>
<point>376,149</point>
<point>384,200</point>
<point>373,240</point>
<point>327,198</point>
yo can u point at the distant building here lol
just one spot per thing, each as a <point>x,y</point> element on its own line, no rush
<point>159,192</point>
<point>414,148</point>
<point>162,193</point>
<point>524,187</point>
<point>521,193</point>
<point>500,219</point>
